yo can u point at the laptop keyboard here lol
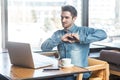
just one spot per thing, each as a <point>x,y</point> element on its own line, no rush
<point>42,61</point>
<point>43,64</point>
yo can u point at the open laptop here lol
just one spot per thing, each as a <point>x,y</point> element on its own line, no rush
<point>21,55</point>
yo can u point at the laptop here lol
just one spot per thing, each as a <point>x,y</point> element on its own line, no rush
<point>21,55</point>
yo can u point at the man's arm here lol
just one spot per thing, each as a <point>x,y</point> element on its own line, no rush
<point>52,42</point>
<point>90,35</point>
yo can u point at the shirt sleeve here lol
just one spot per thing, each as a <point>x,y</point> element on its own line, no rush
<point>89,35</point>
<point>52,42</point>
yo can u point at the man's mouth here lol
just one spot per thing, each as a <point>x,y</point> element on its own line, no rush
<point>64,23</point>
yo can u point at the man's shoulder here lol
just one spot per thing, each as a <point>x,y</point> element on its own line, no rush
<point>59,31</point>
<point>80,27</point>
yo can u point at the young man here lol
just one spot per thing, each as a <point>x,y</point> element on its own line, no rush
<point>73,41</point>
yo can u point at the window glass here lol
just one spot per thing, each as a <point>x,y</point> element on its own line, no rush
<point>105,14</point>
<point>0,28</point>
<point>33,21</point>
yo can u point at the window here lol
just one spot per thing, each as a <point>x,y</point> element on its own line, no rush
<point>0,29</point>
<point>105,14</point>
<point>33,21</point>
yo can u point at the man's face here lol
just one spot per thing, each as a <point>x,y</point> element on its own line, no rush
<point>67,19</point>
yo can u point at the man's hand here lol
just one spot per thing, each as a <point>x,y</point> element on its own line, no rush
<point>70,37</point>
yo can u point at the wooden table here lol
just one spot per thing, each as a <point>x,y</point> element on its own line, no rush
<point>16,72</point>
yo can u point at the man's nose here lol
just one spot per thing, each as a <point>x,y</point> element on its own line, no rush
<point>63,20</point>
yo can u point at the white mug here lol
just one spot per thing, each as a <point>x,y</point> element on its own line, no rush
<point>66,61</point>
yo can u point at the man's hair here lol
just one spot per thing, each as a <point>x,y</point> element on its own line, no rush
<point>71,9</point>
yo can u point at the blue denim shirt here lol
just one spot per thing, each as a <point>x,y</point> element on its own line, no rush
<point>78,51</point>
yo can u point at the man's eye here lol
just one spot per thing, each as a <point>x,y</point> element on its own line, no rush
<point>66,17</point>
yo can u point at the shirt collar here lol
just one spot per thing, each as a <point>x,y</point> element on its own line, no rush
<point>72,28</point>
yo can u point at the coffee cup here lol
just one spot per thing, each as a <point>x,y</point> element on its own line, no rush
<point>66,62</point>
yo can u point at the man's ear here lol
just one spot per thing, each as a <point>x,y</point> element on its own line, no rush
<point>74,18</point>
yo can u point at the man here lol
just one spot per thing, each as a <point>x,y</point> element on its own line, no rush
<point>73,41</point>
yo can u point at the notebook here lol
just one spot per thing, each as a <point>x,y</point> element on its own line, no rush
<point>21,55</point>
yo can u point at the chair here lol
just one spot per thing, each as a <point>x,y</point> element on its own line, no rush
<point>2,77</point>
<point>113,58</point>
<point>99,69</point>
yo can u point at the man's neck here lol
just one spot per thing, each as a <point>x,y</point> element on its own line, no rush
<point>66,29</point>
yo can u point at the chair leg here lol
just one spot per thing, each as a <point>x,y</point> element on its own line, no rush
<point>79,76</point>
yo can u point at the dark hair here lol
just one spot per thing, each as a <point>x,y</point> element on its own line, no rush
<point>71,9</point>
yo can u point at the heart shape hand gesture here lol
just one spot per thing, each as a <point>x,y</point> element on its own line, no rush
<point>70,37</point>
